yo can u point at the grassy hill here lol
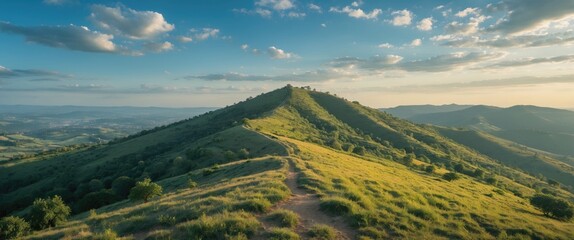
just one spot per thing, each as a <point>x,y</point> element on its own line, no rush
<point>546,129</point>
<point>408,111</point>
<point>315,165</point>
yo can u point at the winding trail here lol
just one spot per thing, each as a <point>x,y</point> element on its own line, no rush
<point>306,205</point>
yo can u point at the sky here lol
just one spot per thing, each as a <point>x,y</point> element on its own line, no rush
<point>180,53</point>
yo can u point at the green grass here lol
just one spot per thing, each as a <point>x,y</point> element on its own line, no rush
<point>322,232</point>
<point>284,218</point>
<point>282,234</point>
<point>219,226</point>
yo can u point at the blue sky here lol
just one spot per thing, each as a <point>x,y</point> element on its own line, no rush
<point>215,53</point>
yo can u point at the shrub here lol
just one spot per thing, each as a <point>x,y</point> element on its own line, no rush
<point>243,153</point>
<point>430,168</point>
<point>145,190</point>
<point>257,205</point>
<point>166,220</point>
<point>360,150</point>
<point>282,234</point>
<point>552,206</point>
<point>451,176</point>
<point>122,185</point>
<point>108,234</point>
<point>285,218</point>
<point>13,227</point>
<point>337,205</point>
<point>491,181</point>
<point>220,226</point>
<point>191,184</point>
<point>372,233</point>
<point>49,212</point>
<point>322,232</point>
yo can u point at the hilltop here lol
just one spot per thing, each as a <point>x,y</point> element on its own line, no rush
<point>292,153</point>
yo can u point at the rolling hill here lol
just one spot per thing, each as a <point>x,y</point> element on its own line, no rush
<point>408,111</point>
<point>546,129</point>
<point>341,169</point>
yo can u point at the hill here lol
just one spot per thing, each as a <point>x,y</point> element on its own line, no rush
<point>291,154</point>
<point>546,129</point>
<point>408,111</point>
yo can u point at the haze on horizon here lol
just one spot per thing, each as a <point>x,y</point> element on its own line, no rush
<point>214,53</point>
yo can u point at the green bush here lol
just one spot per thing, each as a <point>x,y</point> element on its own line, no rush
<point>451,176</point>
<point>49,212</point>
<point>220,226</point>
<point>430,168</point>
<point>145,190</point>
<point>337,205</point>
<point>122,185</point>
<point>282,234</point>
<point>552,206</point>
<point>322,232</point>
<point>285,218</point>
<point>257,205</point>
<point>108,234</point>
<point>13,227</point>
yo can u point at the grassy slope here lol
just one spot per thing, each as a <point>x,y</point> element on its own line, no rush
<point>379,197</point>
<point>512,155</point>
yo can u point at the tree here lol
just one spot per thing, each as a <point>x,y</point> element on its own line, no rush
<point>360,150</point>
<point>122,186</point>
<point>451,176</point>
<point>478,173</point>
<point>49,212</point>
<point>552,206</point>
<point>430,169</point>
<point>491,181</point>
<point>13,227</point>
<point>145,190</point>
<point>459,167</point>
<point>243,153</point>
<point>553,182</point>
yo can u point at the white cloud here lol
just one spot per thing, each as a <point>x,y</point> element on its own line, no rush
<point>385,45</point>
<point>277,53</point>
<point>259,11</point>
<point>466,12</point>
<point>323,25</point>
<point>402,17</point>
<point>357,13</point>
<point>158,47</point>
<point>425,24</point>
<point>295,14</point>
<point>471,27</point>
<point>205,33</point>
<point>244,47</point>
<point>440,63</point>
<point>185,39</point>
<point>55,2</point>
<point>68,37</point>
<point>415,43</point>
<point>531,61</point>
<point>530,15</point>
<point>315,8</point>
<point>563,38</point>
<point>130,23</point>
<point>320,75</point>
<point>279,5</point>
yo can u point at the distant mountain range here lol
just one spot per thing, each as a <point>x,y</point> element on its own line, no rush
<point>546,129</point>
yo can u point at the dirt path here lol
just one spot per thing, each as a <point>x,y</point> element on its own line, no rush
<point>306,205</point>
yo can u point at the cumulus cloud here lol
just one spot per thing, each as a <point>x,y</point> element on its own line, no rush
<point>467,12</point>
<point>70,37</point>
<point>158,46</point>
<point>130,23</point>
<point>205,33</point>
<point>258,11</point>
<point>417,42</point>
<point>385,45</point>
<point>279,5</point>
<point>357,12</point>
<point>56,2</point>
<point>440,63</point>
<point>402,18</point>
<point>315,8</point>
<point>425,24</point>
<point>277,53</point>
<point>530,15</point>
<point>244,47</point>
<point>473,26</point>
